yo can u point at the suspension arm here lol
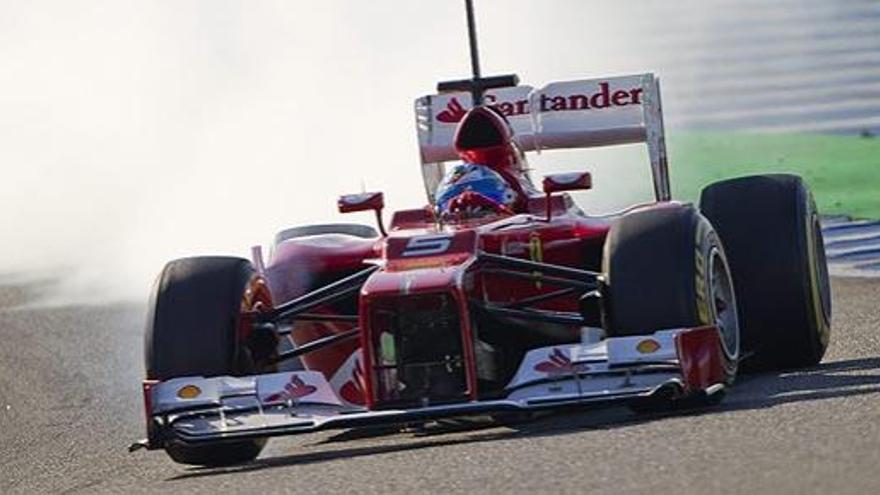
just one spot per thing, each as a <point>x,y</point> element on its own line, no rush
<point>585,276</point>
<point>330,292</point>
<point>557,317</point>
<point>316,345</point>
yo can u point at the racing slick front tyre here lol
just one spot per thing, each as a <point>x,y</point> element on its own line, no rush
<point>665,267</point>
<point>192,329</point>
<point>770,228</point>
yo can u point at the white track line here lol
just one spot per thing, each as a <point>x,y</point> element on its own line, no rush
<point>801,110</point>
<point>852,247</point>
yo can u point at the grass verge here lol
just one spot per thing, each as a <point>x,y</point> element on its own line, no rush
<point>842,171</point>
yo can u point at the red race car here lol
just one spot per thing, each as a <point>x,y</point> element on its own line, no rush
<point>497,298</point>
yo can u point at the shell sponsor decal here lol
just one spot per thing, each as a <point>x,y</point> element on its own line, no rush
<point>648,346</point>
<point>189,392</point>
<point>295,389</point>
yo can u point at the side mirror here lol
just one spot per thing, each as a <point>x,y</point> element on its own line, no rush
<point>574,181</point>
<point>375,201</point>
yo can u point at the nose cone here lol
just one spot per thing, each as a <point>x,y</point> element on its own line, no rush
<point>482,127</point>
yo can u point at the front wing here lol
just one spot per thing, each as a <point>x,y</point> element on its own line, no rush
<point>671,363</point>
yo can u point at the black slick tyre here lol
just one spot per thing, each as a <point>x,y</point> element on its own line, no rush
<point>664,268</point>
<point>770,228</point>
<point>192,330</point>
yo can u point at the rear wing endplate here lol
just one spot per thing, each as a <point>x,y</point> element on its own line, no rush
<point>570,114</point>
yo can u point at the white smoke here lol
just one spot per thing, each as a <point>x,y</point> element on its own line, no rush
<point>133,132</point>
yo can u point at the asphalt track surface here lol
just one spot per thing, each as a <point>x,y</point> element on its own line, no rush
<point>69,406</point>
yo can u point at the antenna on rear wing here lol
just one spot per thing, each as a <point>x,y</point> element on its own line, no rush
<point>477,84</point>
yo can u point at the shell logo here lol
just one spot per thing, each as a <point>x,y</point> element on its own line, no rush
<point>648,346</point>
<point>189,392</point>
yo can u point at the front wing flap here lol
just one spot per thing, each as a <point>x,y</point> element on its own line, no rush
<point>198,410</point>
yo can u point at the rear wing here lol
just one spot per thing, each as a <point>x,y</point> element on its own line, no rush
<point>570,114</point>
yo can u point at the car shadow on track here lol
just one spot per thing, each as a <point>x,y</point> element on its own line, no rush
<point>831,380</point>
<point>836,379</point>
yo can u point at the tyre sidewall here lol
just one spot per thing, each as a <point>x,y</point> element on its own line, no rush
<point>817,283</point>
<point>708,244</point>
<point>664,255</point>
<point>192,330</point>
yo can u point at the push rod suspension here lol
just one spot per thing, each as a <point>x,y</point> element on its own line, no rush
<point>561,271</point>
<point>316,345</point>
<point>541,277</point>
<point>317,297</point>
<point>561,318</point>
<point>529,301</point>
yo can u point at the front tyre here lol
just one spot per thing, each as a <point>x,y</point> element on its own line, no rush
<point>193,330</point>
<point>665,267</point>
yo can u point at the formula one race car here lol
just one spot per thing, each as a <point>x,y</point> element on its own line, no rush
<point>496,298</point>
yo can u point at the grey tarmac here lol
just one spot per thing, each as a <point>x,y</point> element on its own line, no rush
<point>70,405</point>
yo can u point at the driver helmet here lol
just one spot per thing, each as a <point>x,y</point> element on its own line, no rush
<point>473,190</point>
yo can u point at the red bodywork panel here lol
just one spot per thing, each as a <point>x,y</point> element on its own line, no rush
<point>702,360</point>
<point>423,302</point>
<point>418,257</point>
<point>304,264</point>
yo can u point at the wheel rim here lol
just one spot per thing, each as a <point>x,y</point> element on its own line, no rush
<point>723,303</point>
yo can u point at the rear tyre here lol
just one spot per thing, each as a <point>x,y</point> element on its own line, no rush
<point>192,330</point>
<point>770,228</point>
<point>665,268</point>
